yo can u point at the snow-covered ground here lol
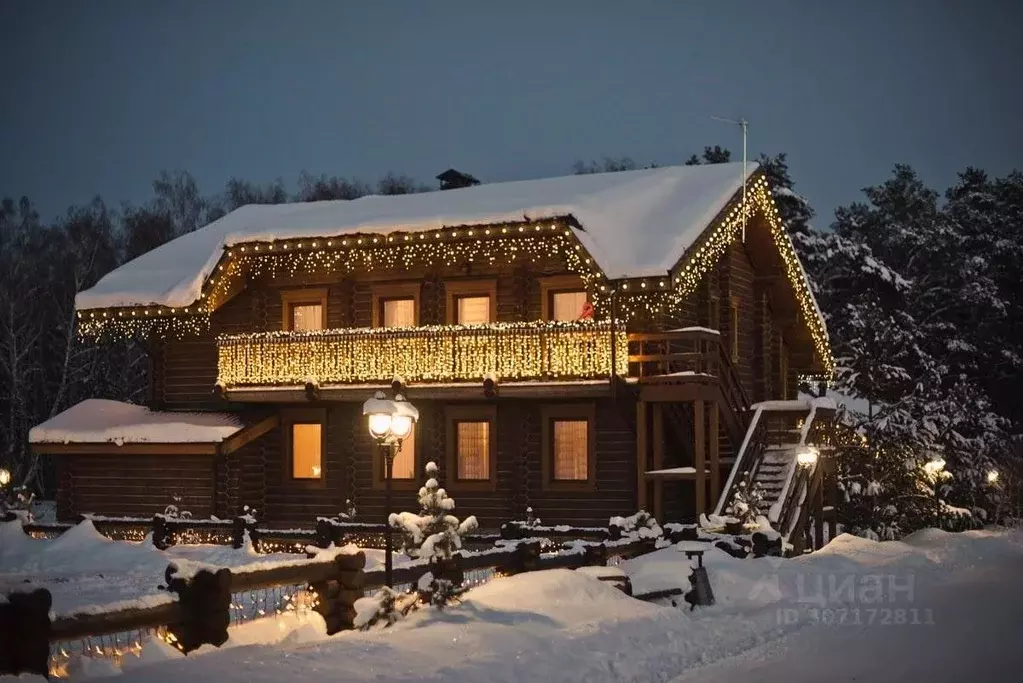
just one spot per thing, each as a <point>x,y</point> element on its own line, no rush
<point>937,606</point>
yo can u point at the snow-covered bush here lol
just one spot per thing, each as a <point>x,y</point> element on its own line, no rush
<point>174,511</point>
<point>383,608</point>
<point>348,514</point>
<point>434,534</point>
<point>746,503</point>
<point>639,526</point>
<point>16,501</point>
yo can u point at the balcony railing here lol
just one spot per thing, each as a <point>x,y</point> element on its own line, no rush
<point>550,351</point>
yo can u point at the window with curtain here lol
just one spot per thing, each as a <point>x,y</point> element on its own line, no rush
<point>473,444</point>
<point>399,312</point>
<point>306,451</point>
<point>306,316</point>
<point>405,459</point>
<point>472,310</point>
<point>567,305</point>
<point>570,449</point>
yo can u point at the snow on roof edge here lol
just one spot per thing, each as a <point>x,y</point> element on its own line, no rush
<point>670,206</point>
<point>97,420</point>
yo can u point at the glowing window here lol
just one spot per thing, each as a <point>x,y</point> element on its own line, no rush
<point>306,316</point>
<point>399,312</point>
<point>473,310</point>
<point>567,305</point>
<point>306,451</point>
<point>569,449</point>
<point>405,460</point>
<point>473,444</point>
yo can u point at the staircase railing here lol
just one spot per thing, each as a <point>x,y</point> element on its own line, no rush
<point>747,460</point>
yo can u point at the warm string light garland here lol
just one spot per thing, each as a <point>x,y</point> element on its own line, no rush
<point>528,242</point>
<point>509,351</point>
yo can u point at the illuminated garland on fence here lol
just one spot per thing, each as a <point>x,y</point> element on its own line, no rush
<point>528,242</point>
<point>509,351</point>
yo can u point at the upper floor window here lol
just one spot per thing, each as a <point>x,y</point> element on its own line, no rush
<point>396,305</point>
<point>564,298</point>
<point>304,309</point>
<point>398,313</point>
<point>471,302</point>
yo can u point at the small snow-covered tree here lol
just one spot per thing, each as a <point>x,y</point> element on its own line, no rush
<point>434,534</point>
<point>746,502</point>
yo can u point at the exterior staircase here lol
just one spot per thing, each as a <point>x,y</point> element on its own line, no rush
<point>792,493</point>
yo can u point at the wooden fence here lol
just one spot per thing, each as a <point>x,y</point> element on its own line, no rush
<point>198,609</point>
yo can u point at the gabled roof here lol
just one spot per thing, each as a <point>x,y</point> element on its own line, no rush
<point>633,223</point>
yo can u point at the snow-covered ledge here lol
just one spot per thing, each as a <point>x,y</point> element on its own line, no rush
<point>99,421</point>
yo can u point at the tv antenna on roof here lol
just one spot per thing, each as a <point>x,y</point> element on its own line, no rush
<point>744,124</point>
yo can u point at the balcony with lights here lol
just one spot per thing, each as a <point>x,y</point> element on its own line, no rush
<point>456,361</point>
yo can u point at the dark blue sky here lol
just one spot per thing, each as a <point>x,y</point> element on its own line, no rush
<point>99,96</point>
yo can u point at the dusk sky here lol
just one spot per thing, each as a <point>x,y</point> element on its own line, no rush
<point>100,96</point>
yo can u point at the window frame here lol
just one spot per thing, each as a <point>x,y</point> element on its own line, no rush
<point>457,289</point>
<point>555,284</point>
<point>453,414</point>
<point>714,313</point>
<point>393,291</point>
<point>568,411</point>
<point>289,418</point>
<point>290,298</point>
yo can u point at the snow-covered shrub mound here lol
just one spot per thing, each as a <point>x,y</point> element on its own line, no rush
<point>562,595</point>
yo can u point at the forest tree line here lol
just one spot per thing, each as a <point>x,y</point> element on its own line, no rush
<point>921,292</point>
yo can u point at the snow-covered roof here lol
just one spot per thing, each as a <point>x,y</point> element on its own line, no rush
<point>634,224</point>
<point>97,420</point>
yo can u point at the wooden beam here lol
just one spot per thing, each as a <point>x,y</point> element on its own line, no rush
<point>641,446</point>
<point>461,391</point>
<point>699,459</point>
<point>715,453</point>
<point>658,437</point>
<point>249,434</point>
<point>107,448</point>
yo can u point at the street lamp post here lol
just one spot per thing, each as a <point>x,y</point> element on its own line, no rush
<point>390,423</point>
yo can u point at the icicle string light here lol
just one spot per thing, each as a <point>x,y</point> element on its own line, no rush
<point>493,245</point>
<point>510,351</point>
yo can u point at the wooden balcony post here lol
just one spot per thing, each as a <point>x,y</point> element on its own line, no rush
<point>641,450</point>
<point>715,453</point>
<point>700,458</point>
<point>818,509</point>
<point>658,437</point>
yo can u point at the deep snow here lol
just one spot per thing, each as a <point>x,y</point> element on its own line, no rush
<point>568,626</point>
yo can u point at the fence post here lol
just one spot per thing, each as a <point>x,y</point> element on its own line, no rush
<point>524,559</point>
<point>25,633</point>
<point>161,533</point>
<point>205,601</point>
<point>325,532</point>
<point>336,597</point>
<point>595,555</point>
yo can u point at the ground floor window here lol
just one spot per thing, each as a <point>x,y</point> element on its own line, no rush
<point>305,445</point>
<point>569,443</point>
<point>472,446</point>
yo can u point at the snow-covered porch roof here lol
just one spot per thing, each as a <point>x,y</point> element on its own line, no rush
<point>102,426</point>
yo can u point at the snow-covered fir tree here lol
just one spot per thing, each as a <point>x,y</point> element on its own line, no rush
<point>433,534</point>
<point>746,502</point>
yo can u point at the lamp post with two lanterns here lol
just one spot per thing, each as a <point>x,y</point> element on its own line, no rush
<point>390,423</point>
